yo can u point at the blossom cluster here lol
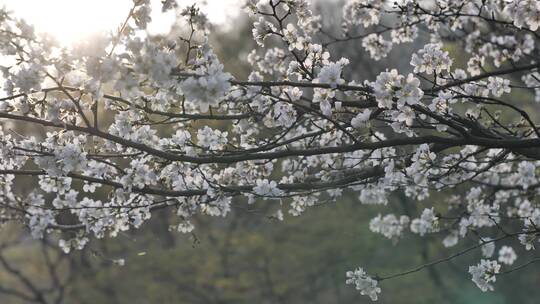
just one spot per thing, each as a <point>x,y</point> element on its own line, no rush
<point>485,273</point>
<point>365,284</point>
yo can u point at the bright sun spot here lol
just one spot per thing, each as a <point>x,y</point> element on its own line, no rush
<point>70,21</point>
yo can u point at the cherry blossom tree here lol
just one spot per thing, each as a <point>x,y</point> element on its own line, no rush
<point>125,124</point>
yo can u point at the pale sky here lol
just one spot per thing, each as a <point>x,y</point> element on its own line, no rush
<point>70,20</point>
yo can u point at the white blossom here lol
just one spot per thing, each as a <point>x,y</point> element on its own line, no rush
<point>365,284</point>
<point>265,187</point>
<point>209,89</point>
<point>527,240</point>
<point>389,225</point>
<point>524,12</point>
<point>261,30</point>
<point>360,120</point>
<point>364,12</point>
<point>331,73</point>
<point>377,47</point>
<point>390,85</point>
<point>431,59</point>
<point>28,78</point>
<point>484,273</point>
<point>212,139</point>
<point>451,240</point>
<point>498,86</point>
<point>427,223</point>
<point>527,174</point>
<point>507,255</point>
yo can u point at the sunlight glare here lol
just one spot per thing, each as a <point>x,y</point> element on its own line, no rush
<point>71,21</point>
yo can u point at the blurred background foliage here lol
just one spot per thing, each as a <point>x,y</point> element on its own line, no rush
<point>250,257</point>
